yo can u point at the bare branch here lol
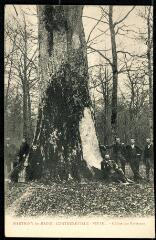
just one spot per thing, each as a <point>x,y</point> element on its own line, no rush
<point>132,55</point>
<point>94,28</point>
<point>105,13</point>
<point>101,50</point>
<point>99,35</point>
<point>31,59</point>
<point>121,20</point>
<point>103,31</point>
<point>108,60</point>
<point>95,19</point>
<point>15,10</point>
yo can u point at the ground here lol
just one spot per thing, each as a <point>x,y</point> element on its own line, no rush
<point>86,198</point>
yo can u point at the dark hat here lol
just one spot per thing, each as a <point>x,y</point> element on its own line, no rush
<point>132,138</point>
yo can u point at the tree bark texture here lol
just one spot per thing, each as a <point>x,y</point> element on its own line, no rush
<point>115,73</point>
<point>27,124</point>
<point>65,140</point>
<point>149,57</point>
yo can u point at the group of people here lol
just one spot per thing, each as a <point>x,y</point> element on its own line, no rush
<point>112,167</point>
<point>122,154</point>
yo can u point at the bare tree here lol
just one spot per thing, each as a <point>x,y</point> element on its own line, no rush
<point>114,27</point>
<point>23,66</point>
<point>149,59</point>
<point>9,63</point>
<point>104,87</point>
<point>136,82</point>
<point>146,36</point>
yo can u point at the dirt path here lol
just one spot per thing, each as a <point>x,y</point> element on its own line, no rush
<point>13,208</point>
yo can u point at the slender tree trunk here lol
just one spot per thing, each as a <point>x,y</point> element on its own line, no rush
<point>29,133</point>
<point>27,129</point>
<point>149,49</point>
<point>94,107</point>
<point>65,133</point>
<point>27,124</point>
<point>25,110</point>
<point>103,86</point>
<point>115,73</point>
<point>132,105</point>
<point>106,102</point>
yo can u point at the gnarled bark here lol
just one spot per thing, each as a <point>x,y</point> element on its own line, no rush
<point>65,136</point>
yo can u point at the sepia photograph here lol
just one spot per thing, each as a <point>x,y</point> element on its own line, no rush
<point>78,121</point>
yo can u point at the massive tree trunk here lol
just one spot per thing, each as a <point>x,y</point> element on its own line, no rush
<point>65,136</point>
<point>115,73</point>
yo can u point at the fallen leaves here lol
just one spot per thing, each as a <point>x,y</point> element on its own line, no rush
<point>90,198</point>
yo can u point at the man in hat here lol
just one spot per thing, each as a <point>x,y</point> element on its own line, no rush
<point>133,153</point>
<point>148,157</point>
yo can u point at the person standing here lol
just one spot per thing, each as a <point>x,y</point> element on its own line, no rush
<point>105,168</point>
<point>134,157</point>
<point>35,164</point>
<point>148,157</point>
<point>23,151</point>
<point>18,169</point>
<point>118,153</point>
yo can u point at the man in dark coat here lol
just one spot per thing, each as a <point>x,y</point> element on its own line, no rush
<point>118,153</point>
<point>35,164</point>
<point>21,156</point>
<point>148,156</point>
<point>133,153</point>
<point>23,151</point>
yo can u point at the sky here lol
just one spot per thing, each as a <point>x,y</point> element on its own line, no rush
<point>133,21</point>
